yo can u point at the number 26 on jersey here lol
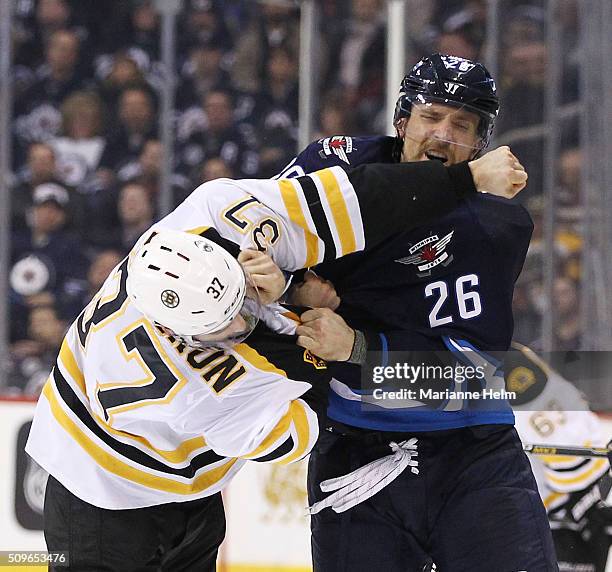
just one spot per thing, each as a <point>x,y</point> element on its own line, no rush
<point>466,297</point>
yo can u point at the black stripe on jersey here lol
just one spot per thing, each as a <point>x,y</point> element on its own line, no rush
<point>580,463</point>
<point>281,450</point>
<point>318,216</point>
<point>212,234</point>
<point>128,451</point>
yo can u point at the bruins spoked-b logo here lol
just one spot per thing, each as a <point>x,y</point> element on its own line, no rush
<point>170,298</point>
<point>203,245</point>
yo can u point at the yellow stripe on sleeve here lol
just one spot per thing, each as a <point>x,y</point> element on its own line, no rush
<point>200,230</point>
<point>551,498</point>
<point>303,430</point>
<point>277,432</point>
<point>70,363</point>
<point>117,467</point>
<point>596,467</point>
<point>257,360</point>
<point>342,219</point>
<point>296,214</point>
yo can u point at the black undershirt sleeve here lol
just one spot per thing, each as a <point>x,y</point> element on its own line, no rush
<point>395,198</point>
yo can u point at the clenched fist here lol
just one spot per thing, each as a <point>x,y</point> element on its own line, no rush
<point>264,273</point>
<point>326,335</point>
<point>315,292</point>
<point>499,172</point>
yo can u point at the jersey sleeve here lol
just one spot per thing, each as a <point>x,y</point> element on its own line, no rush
<point>560,415</point>
<point>508,226</point>
<point>319,217</point>
<point>267,426</point>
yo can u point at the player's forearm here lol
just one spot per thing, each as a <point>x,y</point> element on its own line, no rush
<point>398,197</point>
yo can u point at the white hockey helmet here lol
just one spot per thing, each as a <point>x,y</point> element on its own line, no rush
<point>186,283</point>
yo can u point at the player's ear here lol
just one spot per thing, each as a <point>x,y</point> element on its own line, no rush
<point>400,127</point>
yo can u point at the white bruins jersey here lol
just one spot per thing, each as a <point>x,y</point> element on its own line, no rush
<point>559,415</point>
<point>131,417</point>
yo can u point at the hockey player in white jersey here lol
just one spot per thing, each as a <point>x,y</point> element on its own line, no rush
<point>156,400</point>
<point>550,410</point>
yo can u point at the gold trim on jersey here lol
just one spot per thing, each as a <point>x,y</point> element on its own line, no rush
<point>296,415</point>
<point>597,466</point>
<point>70,363</point>
<point>198,230</point>
<point>181,454</point>
<point>296,214</point>
<point>278,431</point>
<point>256,359</point>
<point>553,498</point>
<point>247,203</point>
<point>339,210</point>
<point>299,419</point>
<point>134,354</point>
<point>114,465</point>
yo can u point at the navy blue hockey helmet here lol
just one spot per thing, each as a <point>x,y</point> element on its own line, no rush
<point>455,81</point>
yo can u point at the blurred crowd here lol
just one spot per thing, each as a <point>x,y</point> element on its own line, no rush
<point>87,154</point>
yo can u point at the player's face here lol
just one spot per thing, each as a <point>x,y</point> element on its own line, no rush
<point>439,132</point>
<point>236,328</point>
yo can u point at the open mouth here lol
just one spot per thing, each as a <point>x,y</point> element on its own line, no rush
<point>436,156</point>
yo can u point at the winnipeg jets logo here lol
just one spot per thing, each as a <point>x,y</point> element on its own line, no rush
<point>429,253</point>
<point>339,145</point>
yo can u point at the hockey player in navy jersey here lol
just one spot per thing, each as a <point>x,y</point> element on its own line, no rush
<point>468,501</point>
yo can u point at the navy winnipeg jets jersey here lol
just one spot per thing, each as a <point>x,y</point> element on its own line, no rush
<point>447,285</point>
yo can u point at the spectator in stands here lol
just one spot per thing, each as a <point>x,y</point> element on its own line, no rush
<point>147,168</point>
<point>214,168</point>
<point>568,330</point>
<point>523,80</point>
<point>203,22</point>
<point>48,256</point>
<point>277,112</point>
<point>40,167</point>
<point>116,72</point>
<point>32,358</point>
<point>203,71</point>
<point>223,137</point>
<point>100,268</point>
<point>570,163</point>
<point>334,117</point>
<point>462,32</point>
<point>37,112</point>
<point>136,123</point>
<point>49,17</point>
<point>276,23</point>
<point>82,142</point>
<point>101,265</point>
<point>142,40</point>
<point>357,57</point>
<point>456,43</point>
<point>126,212</point>
<point>136,212</point>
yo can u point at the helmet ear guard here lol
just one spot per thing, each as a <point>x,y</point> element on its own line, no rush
<point>453,81</point>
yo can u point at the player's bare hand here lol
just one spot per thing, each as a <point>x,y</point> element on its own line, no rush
<point>264,273</point>
<point>326,334</point>
<point>314,292</point>
<point>499,172</point>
